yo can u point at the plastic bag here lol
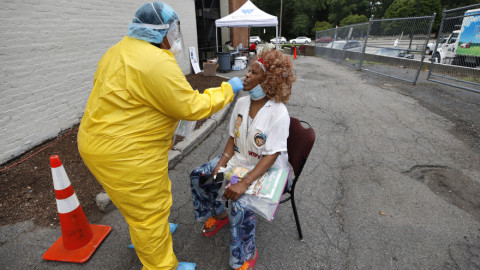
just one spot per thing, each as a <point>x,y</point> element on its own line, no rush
<point>264,194</point>
<point>231,176</point>
<point>262,206</point>
<point>185,128</point>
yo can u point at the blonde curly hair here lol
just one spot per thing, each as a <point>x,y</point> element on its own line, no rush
<point>279,75</point>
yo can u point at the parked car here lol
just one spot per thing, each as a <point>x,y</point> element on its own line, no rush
<point>351,45</point>
<point>324,39</point>
<point>431,45</point>
<point>255,39</point>
<point>300,40</point>
<point>394,53</point>
<point>281,39</point>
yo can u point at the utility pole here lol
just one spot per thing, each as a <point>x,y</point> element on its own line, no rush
<point>280,28</point>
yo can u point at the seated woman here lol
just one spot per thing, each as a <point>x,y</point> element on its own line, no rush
<point>261,113</point>
<point>228,46</point>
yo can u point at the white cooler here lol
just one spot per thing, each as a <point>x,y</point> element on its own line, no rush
<point>241,62</point>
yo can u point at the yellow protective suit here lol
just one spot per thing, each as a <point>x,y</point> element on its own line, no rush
<point>138,97</point>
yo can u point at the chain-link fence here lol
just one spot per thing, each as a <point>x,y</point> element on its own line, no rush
<point>388,47</point>
<point>456,52</point>
<point>396,47</point>
<point>342,44</point>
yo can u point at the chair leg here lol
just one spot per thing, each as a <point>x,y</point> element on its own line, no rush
<point>297,220</point>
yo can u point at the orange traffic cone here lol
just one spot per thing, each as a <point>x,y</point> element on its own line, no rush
<point>295,53</point>
<point>79,239</point>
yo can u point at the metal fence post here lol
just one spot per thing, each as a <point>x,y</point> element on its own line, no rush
<point>423,53</point>
<point>436,44</point>
<point>370,22</point>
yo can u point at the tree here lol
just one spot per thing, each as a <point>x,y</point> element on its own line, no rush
<point>353,19</point>
<point>339,9</point>
<point>320,26</point>
<point>450,4</point>
<point>300,26</point>
<point>299,11</point>
<point>379,8</point>
<point>271,7</point>
<point>408,8</point>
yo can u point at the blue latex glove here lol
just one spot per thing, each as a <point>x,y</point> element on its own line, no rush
<point>236,84</point>
<point>186,266</point>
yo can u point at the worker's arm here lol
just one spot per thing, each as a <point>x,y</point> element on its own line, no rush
<point>163,86</point>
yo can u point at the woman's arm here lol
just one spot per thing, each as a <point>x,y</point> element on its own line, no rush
<point>236,190</point>
<point>228,153</point>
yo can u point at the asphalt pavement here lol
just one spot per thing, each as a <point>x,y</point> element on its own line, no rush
<point>387,186</point>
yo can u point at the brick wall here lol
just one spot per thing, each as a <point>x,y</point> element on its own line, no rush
<point>49,52</point>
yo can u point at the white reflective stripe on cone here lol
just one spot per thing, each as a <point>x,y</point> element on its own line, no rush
<point>68,205</point>
<point>60,178</point>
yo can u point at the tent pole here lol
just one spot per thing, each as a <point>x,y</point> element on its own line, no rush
<point>276,43</point>
<point>216,38</point>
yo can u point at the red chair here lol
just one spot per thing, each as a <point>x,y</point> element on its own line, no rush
<point>299,144</point>
<point>302,50</point>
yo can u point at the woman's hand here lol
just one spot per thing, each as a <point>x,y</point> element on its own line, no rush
<point>233,192</point>
<point>215,171</point>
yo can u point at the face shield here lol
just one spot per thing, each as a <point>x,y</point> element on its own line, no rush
<point>153,22</point>
<point>175,40</point>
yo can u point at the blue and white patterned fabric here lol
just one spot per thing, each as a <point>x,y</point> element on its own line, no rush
<point>242,219</point>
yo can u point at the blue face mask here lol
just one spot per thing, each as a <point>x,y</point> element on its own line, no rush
<point>257,93</point>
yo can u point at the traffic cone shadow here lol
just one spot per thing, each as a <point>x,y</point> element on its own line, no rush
<point>79,239</point>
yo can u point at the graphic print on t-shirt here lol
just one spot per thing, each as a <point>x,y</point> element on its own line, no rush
<point>237,131</point>
<point>259,139</point>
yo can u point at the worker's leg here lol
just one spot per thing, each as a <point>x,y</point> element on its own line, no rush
<point>140,188</point>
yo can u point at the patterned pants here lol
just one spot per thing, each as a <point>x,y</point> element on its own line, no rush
<point>242,219</point>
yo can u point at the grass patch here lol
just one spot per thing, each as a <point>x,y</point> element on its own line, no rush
<point>348,60</point>
<point>366,62</point>
<point>471,79</point>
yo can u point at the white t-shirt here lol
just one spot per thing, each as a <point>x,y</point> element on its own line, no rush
<point>266,134</point>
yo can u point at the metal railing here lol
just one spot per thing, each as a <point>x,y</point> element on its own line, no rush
<point>342,44</point>
<point>387,47</point>
<point>456,53</point>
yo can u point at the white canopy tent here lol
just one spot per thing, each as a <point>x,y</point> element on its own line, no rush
<point>247,15</point>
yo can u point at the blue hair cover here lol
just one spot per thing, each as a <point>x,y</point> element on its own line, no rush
<point>153,13</point>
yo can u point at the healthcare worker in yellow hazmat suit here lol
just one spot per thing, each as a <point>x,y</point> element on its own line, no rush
<point>138,97</point>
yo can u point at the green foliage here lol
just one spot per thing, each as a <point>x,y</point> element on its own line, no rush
<point>314,10</point>
<point>380,7</point>
<point>408,8</point>
<point>353,19</point>
<point>320,26</point>
<point>450,4</point>
<point>339,9</point>
<point>301,25</point>
<point>305,17</point>
<point>414,8</point>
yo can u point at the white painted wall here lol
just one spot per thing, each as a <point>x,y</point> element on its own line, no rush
<point>49,51</point>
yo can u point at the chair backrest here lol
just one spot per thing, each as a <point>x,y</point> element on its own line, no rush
<point>299,144</point>
<point>303,49</point>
